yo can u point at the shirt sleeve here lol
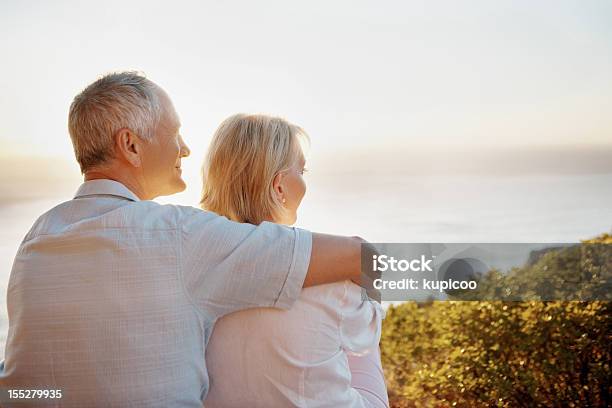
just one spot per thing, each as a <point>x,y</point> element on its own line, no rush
<point>229,266</point>
<point>360,320</point>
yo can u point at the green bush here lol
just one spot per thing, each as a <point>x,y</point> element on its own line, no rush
<point>506,354</point>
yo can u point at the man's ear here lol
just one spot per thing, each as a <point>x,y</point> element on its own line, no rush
<point>128,146</point>
<point>277,185</point>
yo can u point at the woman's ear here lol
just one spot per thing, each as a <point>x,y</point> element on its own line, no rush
<point>128,147</point>
<point>277,186</point>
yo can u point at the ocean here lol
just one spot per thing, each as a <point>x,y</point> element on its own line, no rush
<point>400,208</point>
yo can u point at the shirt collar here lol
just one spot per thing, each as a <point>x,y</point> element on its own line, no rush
<point>105,187</point>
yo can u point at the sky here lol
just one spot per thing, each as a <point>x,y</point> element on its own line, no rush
<point>430,121</point>
<point>358,76</point>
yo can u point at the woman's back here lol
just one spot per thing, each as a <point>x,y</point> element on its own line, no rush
<point>269,357</point>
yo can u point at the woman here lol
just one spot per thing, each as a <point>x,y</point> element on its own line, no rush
<point>324,350</point>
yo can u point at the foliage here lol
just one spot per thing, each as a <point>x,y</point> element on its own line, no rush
<point>579,272</point>
<point>500,353</point>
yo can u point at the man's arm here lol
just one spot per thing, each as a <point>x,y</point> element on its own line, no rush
<point>335,258</point>
<point>228,266</point>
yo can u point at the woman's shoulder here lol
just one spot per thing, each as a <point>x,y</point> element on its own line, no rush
<point>328,291</point>
<point>346,297</point>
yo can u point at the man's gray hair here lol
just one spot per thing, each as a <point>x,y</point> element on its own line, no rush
<point>113,102</point>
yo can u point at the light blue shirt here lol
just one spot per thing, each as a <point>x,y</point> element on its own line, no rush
<point>112,300</point>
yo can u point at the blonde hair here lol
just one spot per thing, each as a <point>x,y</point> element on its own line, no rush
<point>245,154</point>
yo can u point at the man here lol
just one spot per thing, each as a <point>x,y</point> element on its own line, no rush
<point>112,297</point>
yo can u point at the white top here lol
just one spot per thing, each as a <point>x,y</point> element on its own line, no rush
<point>276,358</point>
<point>112,299</point>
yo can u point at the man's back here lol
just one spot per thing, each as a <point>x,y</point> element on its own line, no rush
<point>95,308</point>
<point>104,306</point>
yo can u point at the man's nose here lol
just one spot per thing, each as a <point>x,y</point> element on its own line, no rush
<point>185,152</point>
